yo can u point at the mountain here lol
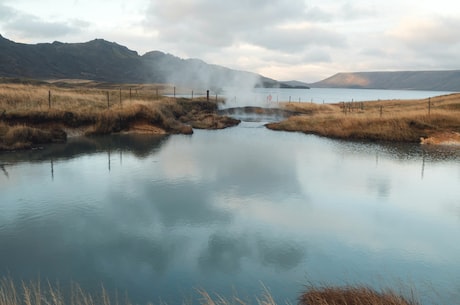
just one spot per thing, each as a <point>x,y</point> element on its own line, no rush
<point>105,61</point>
<point>295,84</point>
<point>418,80</point>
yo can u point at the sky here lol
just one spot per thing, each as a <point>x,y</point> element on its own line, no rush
<point>306,40</point>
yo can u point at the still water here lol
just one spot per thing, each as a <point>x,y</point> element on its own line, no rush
<point>269,97</point>
<point>230,211</point>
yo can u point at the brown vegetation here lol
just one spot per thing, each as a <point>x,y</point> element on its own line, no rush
<point>402,121</point>
<point>35,112</point>
<point>36,293</point>
<point>352,296</point>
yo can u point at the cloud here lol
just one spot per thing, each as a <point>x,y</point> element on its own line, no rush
<point>26,26</point>
<point>427,32</point>
<point>30,26</point>
<point>213,24</point>
<point>297,39</point>
<point>6,12</point>
<point>429,42</point>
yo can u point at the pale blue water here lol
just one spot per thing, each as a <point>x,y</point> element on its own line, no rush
<point>228,210</point>
<point>269,97</point>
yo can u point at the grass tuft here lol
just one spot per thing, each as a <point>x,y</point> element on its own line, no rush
<point>34,293</point>
<point>352,296</point>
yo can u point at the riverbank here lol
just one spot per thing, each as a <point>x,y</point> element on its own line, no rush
<point>428,121</point>
<point>32,114</point>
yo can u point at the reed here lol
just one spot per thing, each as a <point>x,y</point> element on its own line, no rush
<point>38,293</point>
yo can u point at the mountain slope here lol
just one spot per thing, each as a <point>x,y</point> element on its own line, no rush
<point>101,60</point>
<point>97,60</point>
<point>418,80</point>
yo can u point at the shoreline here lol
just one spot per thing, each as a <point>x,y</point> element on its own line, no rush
<point>434,121</point>
<point>32,115</point>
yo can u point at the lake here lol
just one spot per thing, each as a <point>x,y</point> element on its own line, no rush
<point>231,211</point>
<point>270,96</point>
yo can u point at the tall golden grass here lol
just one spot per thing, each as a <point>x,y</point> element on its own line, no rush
<point>30,113</point>
<point>37,293</point>
<point>405,121</point>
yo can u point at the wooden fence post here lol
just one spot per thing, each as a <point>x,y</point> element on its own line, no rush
<point>429,105</point>
<point>49,99</point>
<point>108,100</point>
<point>207,95</point>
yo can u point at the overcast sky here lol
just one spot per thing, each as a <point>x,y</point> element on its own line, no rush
<point>306,40</point>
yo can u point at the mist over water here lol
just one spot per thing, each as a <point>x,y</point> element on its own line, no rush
<point>199,76</point>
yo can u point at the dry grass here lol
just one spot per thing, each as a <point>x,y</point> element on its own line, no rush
<point>405,121</point>
<point>352,296</point>
<point>36,293</point>
<point>30,113</point>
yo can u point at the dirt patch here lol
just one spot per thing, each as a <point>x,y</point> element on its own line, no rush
<point>145,128</point>
<point>442,138</point>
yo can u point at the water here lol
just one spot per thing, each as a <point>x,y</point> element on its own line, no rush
<point>270,96</point>
<point>230,210</point>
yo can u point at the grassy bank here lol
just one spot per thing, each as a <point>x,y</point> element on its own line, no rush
<point>437,119</point>
<point>37,113</point>
<point>36,293</point>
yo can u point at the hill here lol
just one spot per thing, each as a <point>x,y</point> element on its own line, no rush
<point>105,61</point>
<point>416,80</point>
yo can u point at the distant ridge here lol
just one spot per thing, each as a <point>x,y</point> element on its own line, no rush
<point>105,61</point>
<point>415,80</point>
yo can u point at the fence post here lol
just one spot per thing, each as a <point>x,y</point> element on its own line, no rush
<point>49,99</point>
<point>381,111</point>
<point>207,95</point>
<point>192,95</point>
<point>108,100</point>
<point>174,91</point>
<point>429,105</point>
<point>121,105</point>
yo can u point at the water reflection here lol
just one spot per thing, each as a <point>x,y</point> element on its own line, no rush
<point>227,209</point>
<point>224,253</point>
<point>137,144</point>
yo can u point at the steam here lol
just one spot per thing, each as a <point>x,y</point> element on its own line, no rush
<point>236,87</point>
